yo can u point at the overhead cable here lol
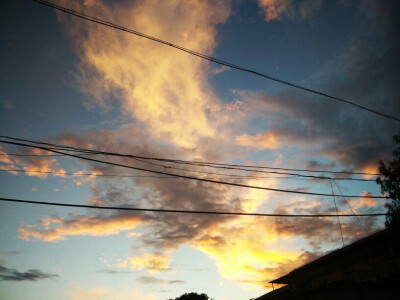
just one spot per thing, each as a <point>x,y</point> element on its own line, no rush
<point>194,163</point>
<point>209,58</point>
<point>203,212</point>
<point>351,209</point>
<point>337,213</point>
<point>77,174</point>
<point>292,176</point>
<point>185,176</point>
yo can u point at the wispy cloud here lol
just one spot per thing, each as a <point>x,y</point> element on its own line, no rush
<point>156,281</point>
<point>113,272</point>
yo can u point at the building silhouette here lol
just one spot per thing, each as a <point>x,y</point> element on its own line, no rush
<point>366,269</point>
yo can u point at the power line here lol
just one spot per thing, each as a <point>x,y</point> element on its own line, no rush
<point>219,174</point>
<point>194,163</point>
<point>37,155</point>
<point>138,176</point>
<point>185,176</point>
<point>189,211</point>
<point>204,56</point>
<point>337,213</point>
<point>359,221</point>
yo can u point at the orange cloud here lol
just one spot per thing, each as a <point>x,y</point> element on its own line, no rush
<point>165,89</point>
<point>359,203</point>
<point>56,229</point>
<point>372,169</point>
<point>274,9</point>
<point>266,140</point>
<point>35,165</point>
<point>84,179</point>
<point>8,163</point>
<point>153,262</point>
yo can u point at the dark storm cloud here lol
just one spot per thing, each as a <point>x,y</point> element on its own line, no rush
<point>366,72</point>
<point>30,275</point>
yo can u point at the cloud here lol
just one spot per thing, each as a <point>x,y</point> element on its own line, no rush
<point>113,272</point>
<point>153,262</point>
<point>244,245</point>
<point>154,281</point>
<point>30,275</point>
<point>315,165</point>
<point>362,203</point>
<point>321,231</point>
<point>174,116</point>
<point>34,165</point>
<point>241,247</point>
<point>149,280</point>
<point>216,71</point>
<point>266,140</point>
<point>56,229</point>
<point>293,10</point>
<point>162,88</point>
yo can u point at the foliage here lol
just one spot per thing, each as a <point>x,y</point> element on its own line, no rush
<point>390,185</point>
<point>193,296</point>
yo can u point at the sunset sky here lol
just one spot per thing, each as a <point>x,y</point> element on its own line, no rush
<point>68,81</point>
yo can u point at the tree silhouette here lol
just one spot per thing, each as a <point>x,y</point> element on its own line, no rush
<point>193,296</point>
<point>390,184</point>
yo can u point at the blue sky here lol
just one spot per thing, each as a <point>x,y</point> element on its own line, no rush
<point>71,82</point>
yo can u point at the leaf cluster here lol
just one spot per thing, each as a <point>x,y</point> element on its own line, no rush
<point>192,296</point>
<point>390,185</point>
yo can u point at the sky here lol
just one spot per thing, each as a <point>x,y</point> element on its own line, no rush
<point>67,81</point>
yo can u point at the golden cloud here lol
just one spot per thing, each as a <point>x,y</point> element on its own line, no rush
<point>244,247</point>
<point>153,262</point>
<point>165,89</point>
<point>266,140</point>
<point>56,229</point>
